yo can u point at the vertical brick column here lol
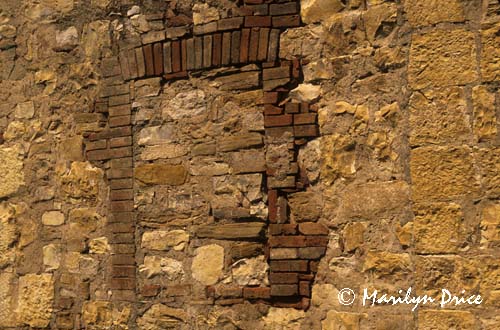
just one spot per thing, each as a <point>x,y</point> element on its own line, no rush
<point>111,149</point>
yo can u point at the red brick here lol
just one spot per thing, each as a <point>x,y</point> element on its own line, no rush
<point>124,206</point>
<point>228,291</point>
<point>132,63</point>
<point>283,8</point>
<point>289,266</point>
<point>305,288</point>
<point>125,162</point>
<point>124,141</point>
<point>283,229</point>
<point>141,64</point>
<point>296,68</point>
<point>190,60</point>
<point>257,21</point>
<point>271,97</point>
<point>229,23</point>
<point>312,228</point>
<point>253,2</point>
<point>96,145</point>
<point>235,47</point>
<point>150,290</point>
<point>99,154</point>
<point>149,60</point>
<point>117,195</point>
<point>122,217</point>
<point>124,295</point>
<point>177,290</point>
<point>167,57</point>
<point>217,50</point>
<point>291,107</point>
<point>316,241</point>
<point>272,197</point>
<point>124,66</point>
<point>254,45</point>
<point>120,173</point>
<point>283,278</point>
<point>283,290</point>
<point>123,248</point>
<point>184,55</point>
<point>226,48</point>
<point>176,75</point>
<point>119,100</point>
<point>313,266</point>
<point>244,45</point>
<point>279,132</point>
<point>121,227</point>
<point>158,58</point>
<point>286,21</point>
<point>311,252</point>
<point>122,238</point>
<point>229,302</point>
<point>276,73</point>
<point>281,120</point>
<point>207,51</point>
<point>122,284</point>
<point>111,133</point>
<point>304,107</point>
<point>272,110</point>
<point>306,131</point>
<point>121,184</point>
<point>272,52</point>
<point>256,293</point>
<point>121,110</point>
<point>210,291</point>
<point>123,271</point>
<point>263,44</point>
<point>287,241</point>
<point>282,209</point>
<point>176,56</point>
<point>122,259</point>
<point>119,121</point>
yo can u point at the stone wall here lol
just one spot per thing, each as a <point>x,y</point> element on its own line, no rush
<point>236,164</point>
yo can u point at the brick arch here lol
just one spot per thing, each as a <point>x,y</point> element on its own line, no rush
<point>293,249</point>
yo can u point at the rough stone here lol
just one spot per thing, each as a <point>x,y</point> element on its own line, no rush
<point>353,236</point>
<point>154,266</point>
<point>305,206</point>
<point>339,158</point>
<point>442,173</point>
<point>283,318</point>
<point>439,116</point>
<point>160,316</point>
<point>203,13</point>
<point>442,58</point>
<point>306,92</point>
<point>489,162</point>
<point>156,135</point>
<point>341,320</point>
<point>438,228</point>
<point>186,105</point>
<point>250,271</point>
<point>430,12</point>
<point>446,319</point>
<point>313,11</point>
<point>11,168</point>
<point>51,257</point>
<point>99,245</point>
<point>7,313</point>
<point>173,175</point>
<point>67,39</point>
<point>208,264</point>
<point>163,151</point>
<point>8,234</point>
<point>241,141</point>
<point>165,240</point>
<point>53,218</point>
<point>384,264</point>
<point>36,298</point>
<point>231,230</point>
<point>490,55</point>
<point>490,226</point>
<point>485,119</point>
<point>82,180</point>
<point>25,110</point>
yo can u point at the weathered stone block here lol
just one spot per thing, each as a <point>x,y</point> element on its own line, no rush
<point>446,319</point>
<point>438,228</point>
<point>430,12</point>
<point>36,298</point>
<point>341,320</point>
<point>485,119</point>
<point>241,141</point>
<point>232,230</point>
<point>208,264</point>
<point>489,163</point>
<point>442,58</point>
<point>174,175</point>
<point>305,206</point>
<point>384,264</point>
<point>490,54</point>
<point>490,226</point>
<point>439,116</point>
<point>162,240</point>
<point>11,168</point>
<point>442,173</point>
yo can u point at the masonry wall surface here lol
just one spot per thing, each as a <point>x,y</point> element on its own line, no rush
<point>237,164</point>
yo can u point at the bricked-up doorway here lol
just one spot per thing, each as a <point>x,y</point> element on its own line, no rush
<point>239,54</point>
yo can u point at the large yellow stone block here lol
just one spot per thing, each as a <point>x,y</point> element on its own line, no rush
<point>445,320</point>
<point>441,173</point>
<point>438,228</point>
<point>485,119</point>
<point>36,297</point>
<point>439,116</point>
<point>429,12</point>
<point>490,54</point>
<point>442,58</point>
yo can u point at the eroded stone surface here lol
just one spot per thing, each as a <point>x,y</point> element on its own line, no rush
<point>208,264</point>
<point>12,169</point>
<point>36,298</point>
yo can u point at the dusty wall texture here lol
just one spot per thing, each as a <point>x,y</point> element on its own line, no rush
<point>185,164</point>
